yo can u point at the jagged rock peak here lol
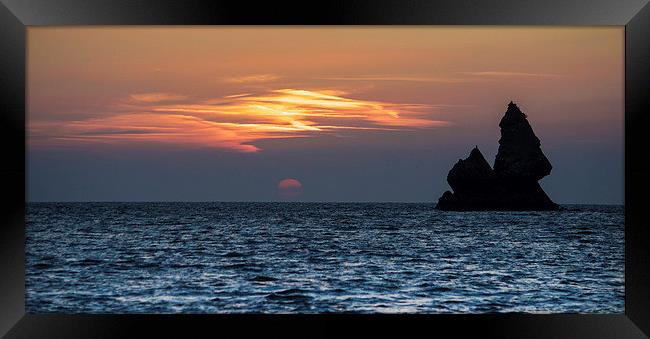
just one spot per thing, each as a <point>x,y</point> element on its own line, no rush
<point>512,107</point>
<point>470,173</point>
<point>476,154</point>
<point>475,160</point>
<point>513,116</point>
<point>519,152</point>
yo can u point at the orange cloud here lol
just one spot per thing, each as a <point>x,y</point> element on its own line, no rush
<point>157,97</point>
<point>512,74</point>
<point>252,78</point>
<point>400,78</point>
<point>236,121</point>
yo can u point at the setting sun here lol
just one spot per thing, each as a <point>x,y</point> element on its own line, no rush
<point>289,188</point>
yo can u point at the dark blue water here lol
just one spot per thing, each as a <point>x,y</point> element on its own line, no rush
<point>321,257</point>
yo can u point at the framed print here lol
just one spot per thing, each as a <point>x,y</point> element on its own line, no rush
<point>172,167</point>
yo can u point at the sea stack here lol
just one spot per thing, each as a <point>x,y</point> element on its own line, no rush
<point>512,184</point>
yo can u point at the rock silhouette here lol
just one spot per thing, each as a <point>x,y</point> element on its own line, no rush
<point>513,183</point>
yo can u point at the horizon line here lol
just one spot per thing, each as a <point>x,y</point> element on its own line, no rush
<point>273,201</point>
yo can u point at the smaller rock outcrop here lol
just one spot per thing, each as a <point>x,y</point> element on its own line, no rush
<point>513,183</point>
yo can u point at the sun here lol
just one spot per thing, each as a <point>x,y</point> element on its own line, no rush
<point>289,188</point>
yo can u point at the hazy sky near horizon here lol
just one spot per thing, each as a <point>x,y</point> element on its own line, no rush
<point>348,113</point>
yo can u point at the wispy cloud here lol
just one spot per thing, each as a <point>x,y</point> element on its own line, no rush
<point>235,122</point>
<point>397,78</point>
<point>253,78</point>
<point>511,74</point>
<point>156,97</point>
<point>237,95</point>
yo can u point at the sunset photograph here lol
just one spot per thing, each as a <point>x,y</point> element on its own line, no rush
<point>309,169</point>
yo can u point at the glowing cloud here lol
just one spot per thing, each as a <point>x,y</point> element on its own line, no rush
<point>512,74</point>
<point>157,97</point>
<point>399,78</point>
<point>235,121</point>
<point>254,78</point>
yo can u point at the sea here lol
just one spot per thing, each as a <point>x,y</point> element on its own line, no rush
<point>290,257</point>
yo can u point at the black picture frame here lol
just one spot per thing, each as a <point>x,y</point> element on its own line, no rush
<point>16,15</point>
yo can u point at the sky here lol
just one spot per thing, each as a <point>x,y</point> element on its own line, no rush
<point>314,113</point>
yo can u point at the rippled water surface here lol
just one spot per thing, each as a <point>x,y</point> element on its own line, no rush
<point>321,257</point>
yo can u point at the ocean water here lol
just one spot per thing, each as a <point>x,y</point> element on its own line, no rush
<point>321,257</point>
